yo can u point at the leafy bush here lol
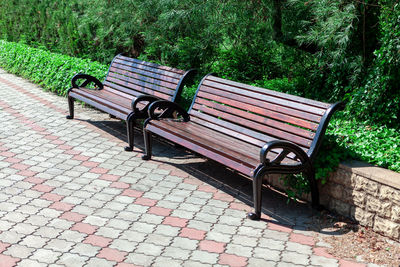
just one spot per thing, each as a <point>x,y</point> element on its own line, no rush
<point>51,70</point>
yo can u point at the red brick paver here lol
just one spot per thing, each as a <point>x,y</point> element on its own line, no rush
<point>159,211</point>
<point>98,241</point>
<point>8,261</point>
<point>193,233</point>
<point>112,254</point>
<point>302,239</point>
<point>232,260</point>
<point>72,216</point>
<point>175,221</point>
<point>84,228</point>
<point>212,246</point>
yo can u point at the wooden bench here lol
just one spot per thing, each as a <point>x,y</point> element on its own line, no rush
<point>130,86</point>
<point>252,130</point>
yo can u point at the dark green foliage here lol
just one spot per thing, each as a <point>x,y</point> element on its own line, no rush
<point>50,70</point>
<point>378,100</point>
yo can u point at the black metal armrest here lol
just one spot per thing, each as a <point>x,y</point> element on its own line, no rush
<point>143,98</point>
<point>287,148</point>
<point>166,109</point>
<point>88,80</point>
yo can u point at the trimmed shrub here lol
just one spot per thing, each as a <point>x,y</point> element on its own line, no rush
<point>50,70</point>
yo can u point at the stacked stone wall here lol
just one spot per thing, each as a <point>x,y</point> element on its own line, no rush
<point>364,193</point>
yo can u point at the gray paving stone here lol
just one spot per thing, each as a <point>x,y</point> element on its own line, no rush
<point>267,254</point>
<point>85,249</point>
<point>296,258</point>
<point>48,232</point>
<point>149,249</point>
<point>239,250</point>
<point>261,263</point>
<point>139,259</point>
<point>50,213</point>
<point>276,235</point>
<point>45,255</point>
<point>60,224</point>
<point>133,236</point>
<point>59,245</point>
<point>177,253</point>
<point>185,243</point>
<point>5,225</point>
<point>144,227</point>
<point>11,237</point>
<point>96,262</point>
<point>206,217</point>
<point>95,220</point>
<point>323,261</point>
<point>219,237</point>
<point>124,245</point>
<point>70,259</point>
<point>166,261</point>
<point>205,257</point>
<point>225,229</point>
<point>191,263</point>
<point>200,225</point>
<point>303,249</point>
<point>19,251</point>
<point>118,224</point>
<point>24,228</point>
<point>31,263</point>
<point>109,232</point>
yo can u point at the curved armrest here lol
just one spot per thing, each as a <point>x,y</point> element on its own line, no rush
<point>143,98</point>
<point>88,78</point>
<point>287,148</point>
<point>167,109</point>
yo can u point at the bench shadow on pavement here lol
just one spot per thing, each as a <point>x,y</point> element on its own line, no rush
<point>295,214</point>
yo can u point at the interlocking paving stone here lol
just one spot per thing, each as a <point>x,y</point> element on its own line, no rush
<point>73,197</point>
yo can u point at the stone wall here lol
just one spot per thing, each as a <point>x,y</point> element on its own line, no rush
<point>364,193</point>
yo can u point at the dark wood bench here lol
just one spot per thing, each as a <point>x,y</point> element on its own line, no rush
<point>130,86</point>
<point>252,130</point>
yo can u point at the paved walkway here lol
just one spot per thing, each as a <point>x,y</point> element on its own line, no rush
<point>70,196</point>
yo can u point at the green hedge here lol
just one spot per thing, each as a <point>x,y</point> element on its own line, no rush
<point>50,70</point>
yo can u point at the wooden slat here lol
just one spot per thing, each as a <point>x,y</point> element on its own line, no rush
<point>200,145</point>
<point>154,65</point>
<point>156,73</point>
<point>132,75</point>
<point>122,80</point>
<point>279,134</point>
<point>238,136</point>
<point>107,106</point>
<point>265,97</point>
<point>259,110</point>
<point>256,118</point>
<point>137,90</point>
<point>260,103</point>
<point>231,128</point>
<point>213,138</point>
<point>228,131</point>
<point>270,92</point>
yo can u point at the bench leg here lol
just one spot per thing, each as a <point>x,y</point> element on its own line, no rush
<point>310,174</point>
<point>130,123</point>
<point>71,108</point>
<point>257,194</point>
<point>148,145</point>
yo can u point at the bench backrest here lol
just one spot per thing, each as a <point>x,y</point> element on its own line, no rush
<point>257,115</point>
<point>137,77</point>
